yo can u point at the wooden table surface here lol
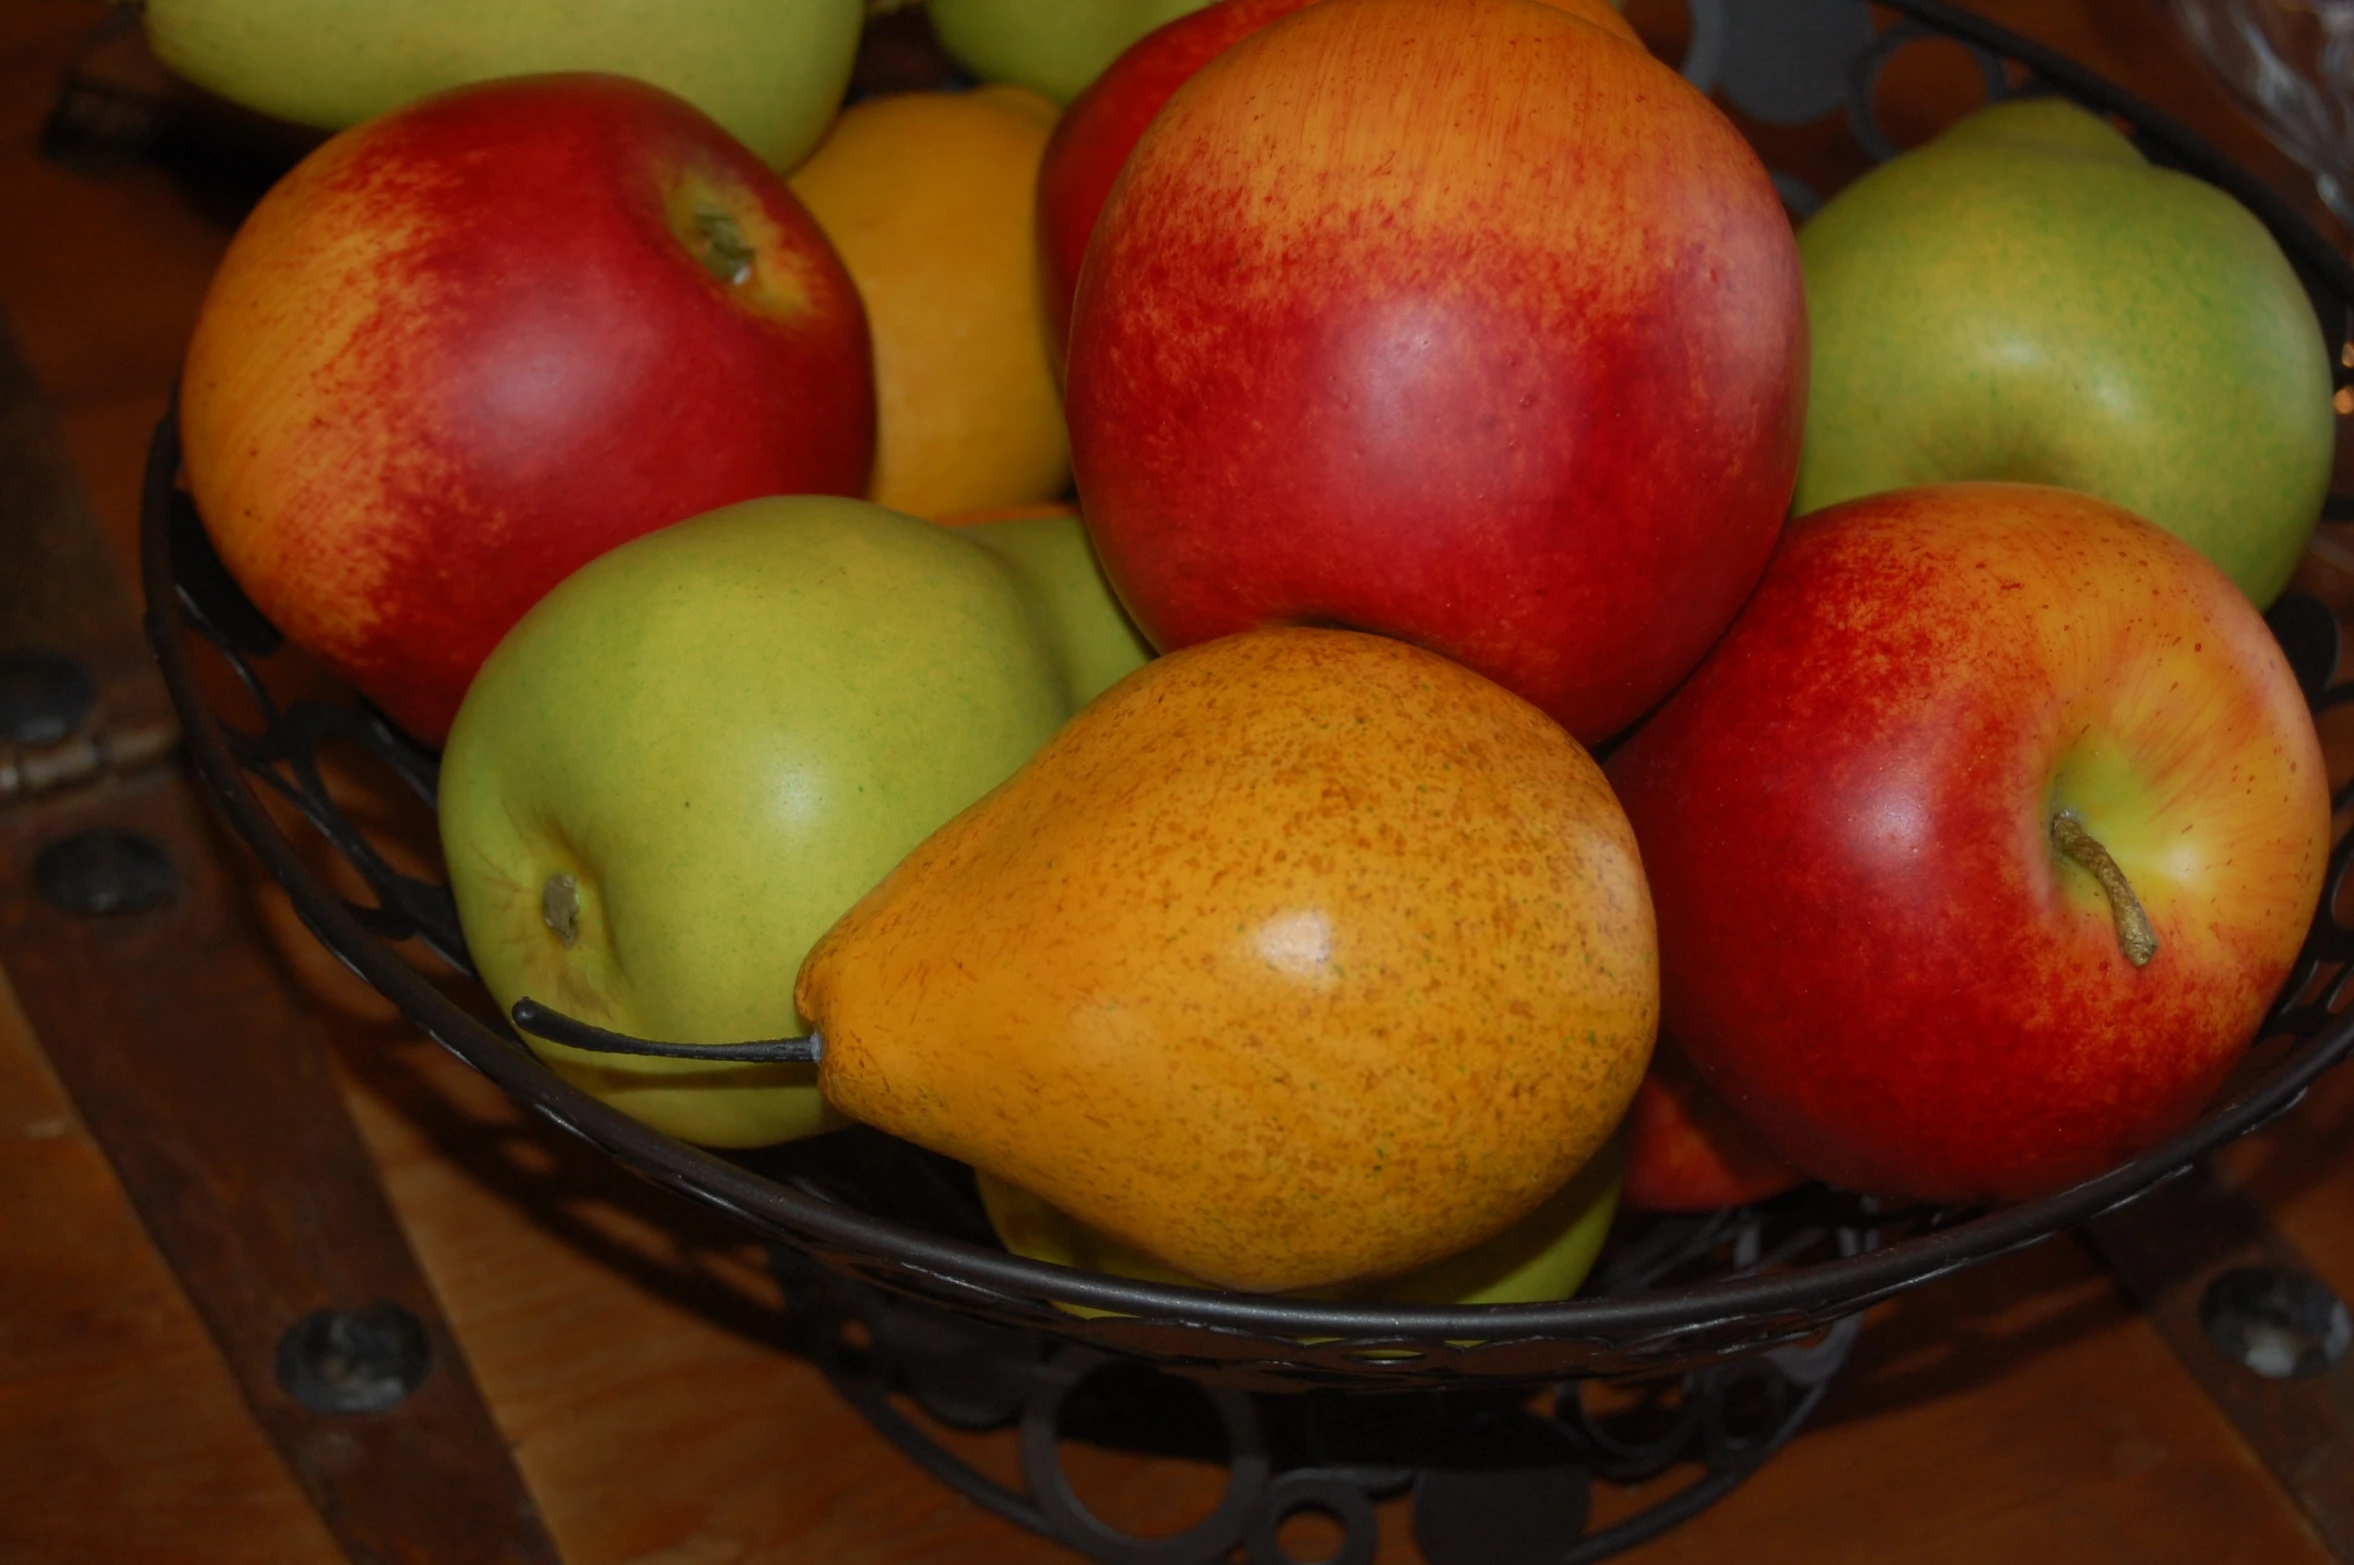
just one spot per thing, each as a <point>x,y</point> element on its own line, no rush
<point>625,1341</point>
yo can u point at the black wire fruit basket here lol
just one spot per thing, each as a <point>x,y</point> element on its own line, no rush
<point>1733,1320</point>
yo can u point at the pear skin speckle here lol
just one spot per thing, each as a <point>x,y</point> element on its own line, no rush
<point>1297,958</point>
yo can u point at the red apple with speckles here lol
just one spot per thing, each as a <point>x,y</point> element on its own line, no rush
<point>1865,820</point>
<point>465,348</point>
<point>1100,128</point>
<point>1464,321</point>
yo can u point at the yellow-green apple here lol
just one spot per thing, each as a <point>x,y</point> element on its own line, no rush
<point>1981,843</point>
<point>1051,46</point>
<point>1100,128</point>
<point>1094,642</point>
<point>2027,298</point>
<point>1464,321</point>
<point>1545,1255</point>
<point>1687,1151</point>
<point>771,71</point>
<point>700,749</point>
<point>465,348</point>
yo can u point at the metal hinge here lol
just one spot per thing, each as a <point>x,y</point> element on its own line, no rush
<point>52,736</point>
<point>86,758</point>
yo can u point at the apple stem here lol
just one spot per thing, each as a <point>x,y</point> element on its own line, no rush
<point>727,254</point>
<point>559,907</point>
<point>2134,933</point>
<point>532,1017</point>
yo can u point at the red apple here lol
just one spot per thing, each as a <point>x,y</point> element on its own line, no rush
<point>1689,1152</point>
<point>1100,128</point>
<point>1863,817</point>
<point>1463,321</point>
<point>466,347</point>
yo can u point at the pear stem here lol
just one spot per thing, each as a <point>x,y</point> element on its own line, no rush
<point>2134,934</point>
<point>532,1017</point>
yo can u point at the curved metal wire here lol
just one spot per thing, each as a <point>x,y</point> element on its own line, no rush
<point>1681,1294</point>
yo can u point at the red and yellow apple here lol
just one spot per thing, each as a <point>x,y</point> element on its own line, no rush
<point>1865,821</point>
<point>465,348</point>
<point>1687,1151</point>
<point>1464,321</point>
<point>1101,127</point>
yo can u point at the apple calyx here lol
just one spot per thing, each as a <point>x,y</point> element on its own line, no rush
<point>559,907</point>
<point>2134,934</point>
<point>724,251</point>
<point>530,1016</point>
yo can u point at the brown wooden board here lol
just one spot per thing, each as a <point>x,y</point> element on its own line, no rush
<point>2019,1411</point>
<point>2170,1248</point>
<point>205,1079</point>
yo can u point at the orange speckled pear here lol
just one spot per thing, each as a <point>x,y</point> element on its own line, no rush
<point>1298,957</point>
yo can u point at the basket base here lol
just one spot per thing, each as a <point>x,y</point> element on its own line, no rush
<point>1495,1476</point>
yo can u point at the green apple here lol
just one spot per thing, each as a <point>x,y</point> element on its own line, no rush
<point>1095,643</point>
<point>1544,1256</point>
<point>2027,298</point>
<point>772,71</point>
<point>1055,47</point>
<point>694,754</point>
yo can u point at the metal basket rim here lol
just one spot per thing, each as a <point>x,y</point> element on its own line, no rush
<point>1780,1304</point>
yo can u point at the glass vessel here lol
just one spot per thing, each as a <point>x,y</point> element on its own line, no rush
<point>2291,65</point>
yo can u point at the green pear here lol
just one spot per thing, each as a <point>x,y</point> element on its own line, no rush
<point>1544,1256</point>
<point>2028,298</point>
<point>1095,642</point>
<point>1055,47</point>
<point>772,71</point>
<point>695,753</point>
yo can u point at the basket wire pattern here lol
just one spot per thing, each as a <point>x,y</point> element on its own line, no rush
<point>1755,1304</point>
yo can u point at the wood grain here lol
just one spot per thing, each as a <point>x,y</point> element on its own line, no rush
<point>114,1404</point>
<point>203,1077</point>
<point>627,1343</point>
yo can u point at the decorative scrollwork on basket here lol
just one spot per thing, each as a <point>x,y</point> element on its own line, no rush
<point>1489,1477</point>
<point>1798,1267</point>
<point>1732,1322</point>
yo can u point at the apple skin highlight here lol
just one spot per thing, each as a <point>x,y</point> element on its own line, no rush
<point>1867,940</point>
<point>1101,127</point>
<point>1507,357</point>
<point>402,396</point>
